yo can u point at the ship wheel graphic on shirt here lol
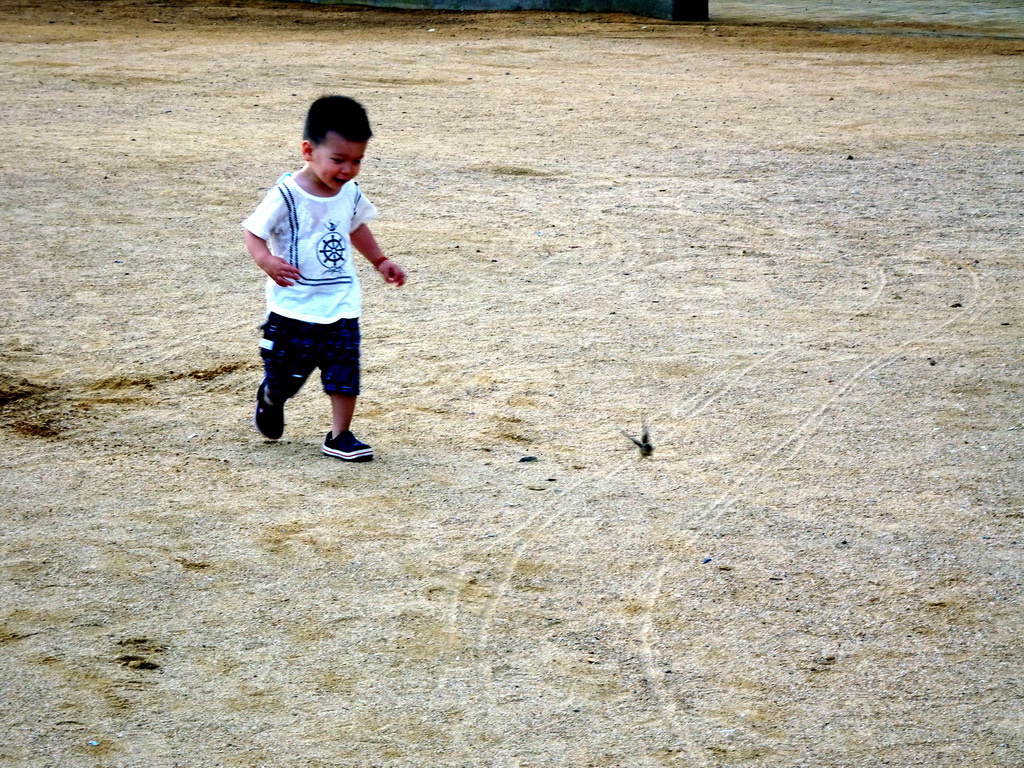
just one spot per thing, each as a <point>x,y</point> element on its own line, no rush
<point>331,250</point>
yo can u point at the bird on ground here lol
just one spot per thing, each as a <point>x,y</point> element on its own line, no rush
<point>644,442</point>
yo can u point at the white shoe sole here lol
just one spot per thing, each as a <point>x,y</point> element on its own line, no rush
<point>363,454</point>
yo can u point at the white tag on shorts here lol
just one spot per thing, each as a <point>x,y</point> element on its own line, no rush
<point>266,343</point>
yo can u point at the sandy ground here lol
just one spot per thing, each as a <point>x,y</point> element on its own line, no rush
<point>796,255</point>
<point>1004,18</point>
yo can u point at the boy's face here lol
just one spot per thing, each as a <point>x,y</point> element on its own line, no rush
<point>335,161</point>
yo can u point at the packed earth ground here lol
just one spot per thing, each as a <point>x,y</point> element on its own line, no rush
<point>795,255</point>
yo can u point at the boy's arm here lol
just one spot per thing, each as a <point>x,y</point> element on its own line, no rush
<point>279,270</point>
<point>364,242</point>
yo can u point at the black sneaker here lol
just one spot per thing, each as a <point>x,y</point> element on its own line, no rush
<point>269,419</point>
<point>347,448</point>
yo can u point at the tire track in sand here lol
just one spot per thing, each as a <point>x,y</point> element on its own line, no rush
<point>792,444</point>
<point>781,453</point>
<point>545,517</point>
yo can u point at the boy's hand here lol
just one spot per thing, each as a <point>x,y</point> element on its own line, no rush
<point>392,273</point>
<point>280,271</point>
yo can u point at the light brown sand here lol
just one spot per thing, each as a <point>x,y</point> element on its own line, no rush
<point>797,256</point>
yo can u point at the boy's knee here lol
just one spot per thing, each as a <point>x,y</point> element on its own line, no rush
<point>278,391</point>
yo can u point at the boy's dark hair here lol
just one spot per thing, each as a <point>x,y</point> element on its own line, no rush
<point>340,114</point>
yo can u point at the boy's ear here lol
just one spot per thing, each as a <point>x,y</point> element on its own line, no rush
<point>307,150</point>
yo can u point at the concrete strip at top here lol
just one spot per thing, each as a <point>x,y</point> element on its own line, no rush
<point>674,10</point>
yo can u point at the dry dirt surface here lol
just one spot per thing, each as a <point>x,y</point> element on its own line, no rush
<point>795,255</point>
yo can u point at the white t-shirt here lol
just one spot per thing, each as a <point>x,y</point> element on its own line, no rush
<point>312,234</point>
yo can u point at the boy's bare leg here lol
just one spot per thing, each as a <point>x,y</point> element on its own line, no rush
<point>342,408</point>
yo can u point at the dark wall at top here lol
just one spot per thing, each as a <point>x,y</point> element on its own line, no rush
<point>675,10</point>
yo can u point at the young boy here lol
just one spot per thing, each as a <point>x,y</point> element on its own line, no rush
<point>302,236</point>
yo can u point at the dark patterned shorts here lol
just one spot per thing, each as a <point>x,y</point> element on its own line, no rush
<point>291,349</point>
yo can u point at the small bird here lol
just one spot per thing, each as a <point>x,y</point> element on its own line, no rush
<point>644,443</point>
